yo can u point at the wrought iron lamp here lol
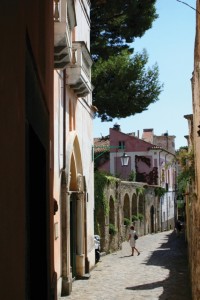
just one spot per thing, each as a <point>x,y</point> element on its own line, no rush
<point>124,159</point>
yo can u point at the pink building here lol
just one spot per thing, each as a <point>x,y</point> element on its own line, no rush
<point>148,163</point>
<point>143,156</point>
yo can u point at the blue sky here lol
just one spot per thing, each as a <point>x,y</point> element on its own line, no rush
<point>170,43</point>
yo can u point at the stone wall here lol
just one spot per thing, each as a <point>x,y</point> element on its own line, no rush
<point>126,199</point>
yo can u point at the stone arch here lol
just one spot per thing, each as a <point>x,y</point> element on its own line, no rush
<point>73,160</point>
<point>134,205</point>
<point>141,205</point>
<point>152,219</point>
<point>126,208</point>
<point>73,211</point>
<point>111,211</point>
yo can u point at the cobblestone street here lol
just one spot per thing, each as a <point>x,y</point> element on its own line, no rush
<point>160,272</point>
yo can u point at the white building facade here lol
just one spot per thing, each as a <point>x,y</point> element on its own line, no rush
<point>167,180</point>
<point>74,254</point>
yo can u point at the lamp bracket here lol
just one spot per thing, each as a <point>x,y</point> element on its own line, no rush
<point>105,148</point>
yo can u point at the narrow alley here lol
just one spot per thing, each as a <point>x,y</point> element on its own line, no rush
<point>160,272</point>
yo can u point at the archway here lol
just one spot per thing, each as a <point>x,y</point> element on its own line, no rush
<point>74,229</point>
<point>152,218</point>
<point>134,206</point>
<point>111,211</point>
<point>141,205</point>
<point>126,209</point>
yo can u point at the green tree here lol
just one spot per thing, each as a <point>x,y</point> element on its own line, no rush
<point>114,24</point>
<point>123,84</point>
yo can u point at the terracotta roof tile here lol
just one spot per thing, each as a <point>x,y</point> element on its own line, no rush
<point>100,144</point>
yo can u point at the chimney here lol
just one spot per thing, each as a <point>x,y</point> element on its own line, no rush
<point>148,135</point>
<point>148,130</point>
<point>116,127</point>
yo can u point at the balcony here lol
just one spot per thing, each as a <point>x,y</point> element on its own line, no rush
<point>64,21</point>
<point>79,70</point>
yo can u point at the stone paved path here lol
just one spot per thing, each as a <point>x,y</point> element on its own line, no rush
<point>160,272</point>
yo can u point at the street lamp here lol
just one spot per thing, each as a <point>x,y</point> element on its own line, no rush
<point>124,159</point>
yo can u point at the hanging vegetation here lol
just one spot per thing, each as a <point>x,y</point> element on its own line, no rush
<point>132,176</point>
<point>127,222</point>
<point>112,229</point>
<point>140,190</point>
<point>101,180</point>
<point>159,191</point>
<point>186,176</point>
<point>138,217</point>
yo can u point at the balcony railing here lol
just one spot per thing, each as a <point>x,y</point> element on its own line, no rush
<point>79,70</point>
<point>64,21</point>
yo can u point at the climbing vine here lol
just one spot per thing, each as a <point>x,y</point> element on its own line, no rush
<point>101,180</point>
<point>186,176</point>
<point>140,191</point>
<point>144,159</point>
<point>132,176</point>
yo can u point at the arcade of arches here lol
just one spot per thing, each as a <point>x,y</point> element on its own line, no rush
<point>125,207</point>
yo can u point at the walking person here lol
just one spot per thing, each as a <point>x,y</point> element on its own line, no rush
<point>178,227</point>
<point>132,239</point>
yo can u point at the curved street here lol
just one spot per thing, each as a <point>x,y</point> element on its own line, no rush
<point>160,272</point>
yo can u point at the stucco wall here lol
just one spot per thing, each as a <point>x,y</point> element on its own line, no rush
<point>25,28</point>
<point>73,131</point>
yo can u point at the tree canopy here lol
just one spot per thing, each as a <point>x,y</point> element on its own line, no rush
<point>114,24</point>
<point>123,84</point>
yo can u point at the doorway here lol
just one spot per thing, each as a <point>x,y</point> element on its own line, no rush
<point>152,218</point>
<point>37,186</point>
<point>73,237</point>
<point>36,217</point>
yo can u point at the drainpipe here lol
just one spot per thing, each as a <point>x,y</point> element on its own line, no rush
<point>65,206</point>
<point>145,232</point>
<point>64,119</point>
